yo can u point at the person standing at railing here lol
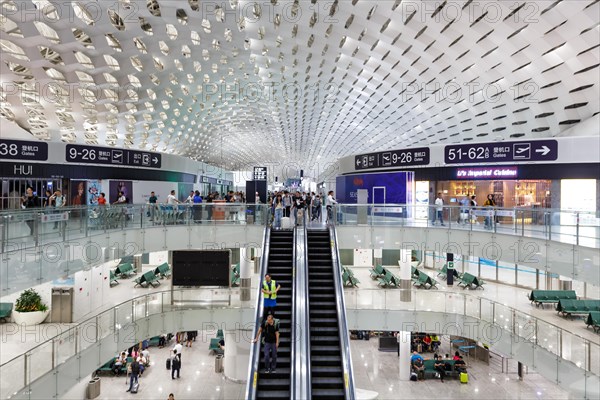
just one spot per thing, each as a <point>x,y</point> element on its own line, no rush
<point>331,201</point>
<point>59,202</point>
<point>439,209</point>
<point>489,204</point>
<point>30,201</point>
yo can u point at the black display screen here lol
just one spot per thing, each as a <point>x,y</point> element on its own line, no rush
<point>201,267</point>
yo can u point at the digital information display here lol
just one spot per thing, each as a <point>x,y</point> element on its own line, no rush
<point>393,158</point>
<point>76,153</point>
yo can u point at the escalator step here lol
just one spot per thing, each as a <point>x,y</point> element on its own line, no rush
<point>324,360</point>
<point>326,370</point>
<point>324,350</point>
<point>328,393</point>
<point>327,382</point>
<point>273,394</point>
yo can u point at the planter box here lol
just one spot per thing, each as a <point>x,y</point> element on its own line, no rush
<point>30,318</point>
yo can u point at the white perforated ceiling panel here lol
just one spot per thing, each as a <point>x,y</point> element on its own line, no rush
<point>237,83</point>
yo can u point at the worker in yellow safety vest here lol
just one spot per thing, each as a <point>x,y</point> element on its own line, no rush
<point>270,289</point>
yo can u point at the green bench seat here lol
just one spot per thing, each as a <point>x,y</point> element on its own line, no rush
<point>5,310</point>
<point>377,271</point>
<point>149,278</point>
<point>424,281</point>
<point>163,270</point>
<point>388,280</point>
<point>430,370</point>
<point>348,277</point>
<point>577,307</point>
<point>106,367</point>
<point>124,270</point>
<point>444,272</point>
<point>540,297</point>
<point>470,281</point>
<point>154,341</point>
<point>113,279</point>
<point>213,346</point>
<point>593,320</point>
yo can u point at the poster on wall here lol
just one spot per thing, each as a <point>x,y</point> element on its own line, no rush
<point>78,193</point>
<point>421,199</point>
<point>94,188</point>
<point>120,186</point>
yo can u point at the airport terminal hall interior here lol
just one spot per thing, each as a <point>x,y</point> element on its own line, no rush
<point>300,199</point>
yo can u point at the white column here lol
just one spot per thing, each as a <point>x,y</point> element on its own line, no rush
<point>565,283</point>
<point>237,354</point>
<point>429,260</point>
<point>405,274</point>
<point>404,359</point>
<point>245,273</point>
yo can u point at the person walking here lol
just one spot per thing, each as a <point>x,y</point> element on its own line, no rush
<point>278,209</point>
<point>135,372</point>
<point>178,348</point>
<point>331,201</point>
<point>175,364</point>
<point>270,289</point>
<point>30,201</point>
<point>439,209</point>
<point>59,201</point>
<point>270,333</point>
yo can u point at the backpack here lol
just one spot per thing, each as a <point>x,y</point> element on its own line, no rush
<point>413,377</point>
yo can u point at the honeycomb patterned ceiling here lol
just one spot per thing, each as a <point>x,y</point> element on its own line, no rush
<point>238,83</point>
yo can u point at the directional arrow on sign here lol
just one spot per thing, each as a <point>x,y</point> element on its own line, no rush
<point>357,162</point>
<point>155,160</point>
<point>544,150</point>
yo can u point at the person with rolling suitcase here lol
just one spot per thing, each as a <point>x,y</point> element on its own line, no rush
<point>169,363</point>
<point>175,365</point>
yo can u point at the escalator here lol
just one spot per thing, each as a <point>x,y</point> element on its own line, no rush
<point>277,385</point>
<point>326,358</point>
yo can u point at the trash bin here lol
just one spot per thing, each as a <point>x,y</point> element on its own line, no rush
<point>219,363</point>
<point>256,265</point>
<point>93,388</point>
<point>62,304</point>
<point>137,263</point>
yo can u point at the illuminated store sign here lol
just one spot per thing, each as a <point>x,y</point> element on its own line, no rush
<point>487,173</point>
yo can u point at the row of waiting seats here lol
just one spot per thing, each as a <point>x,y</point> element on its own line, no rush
<point>150,278</point>
<point>466,280</point>
<point>569,305</point>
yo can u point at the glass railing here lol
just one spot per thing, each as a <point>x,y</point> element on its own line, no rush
<point>569,346</point>
<point>24,369</point>
<point>35,226</point>
<point>573,227</point>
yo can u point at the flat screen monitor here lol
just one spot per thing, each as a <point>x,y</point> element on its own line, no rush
<point>201,267</point>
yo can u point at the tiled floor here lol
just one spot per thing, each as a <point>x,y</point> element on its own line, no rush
<point>198,378</point>
<point>378,371</point>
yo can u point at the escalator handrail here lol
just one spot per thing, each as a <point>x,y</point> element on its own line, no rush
<point>342,322</point>
<point>293,330</point>
<point>303,371</point>
<point>255,347</point>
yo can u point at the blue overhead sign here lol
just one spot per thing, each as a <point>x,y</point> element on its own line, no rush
<point>477,153</point>
<point>23,150</point>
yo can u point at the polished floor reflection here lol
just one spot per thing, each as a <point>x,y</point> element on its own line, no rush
<point>378,371</point>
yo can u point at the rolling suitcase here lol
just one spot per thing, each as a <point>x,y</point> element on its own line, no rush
<point>464,377</point>
<point>168,363</point>
<point>286,223</point>
<point>135,387</point>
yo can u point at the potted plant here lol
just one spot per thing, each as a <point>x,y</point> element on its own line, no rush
<point>30,309</point>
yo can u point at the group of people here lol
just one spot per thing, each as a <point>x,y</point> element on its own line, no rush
<point>269,329</point>
<point>440,365</point>
<point>284,204</point>
<point>468,205</point>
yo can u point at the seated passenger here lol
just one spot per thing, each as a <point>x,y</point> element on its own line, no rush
<point>119,362</point>
<point>456,356</point>
<point>460,365</point>
<point>222,344</point>
<point>419,368</point>
<point>143,363</point>
<point>427,343</point>
<point>146,355</point>
<point>440,366</point>
<point>415,356</point>
<point>435,342</point>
